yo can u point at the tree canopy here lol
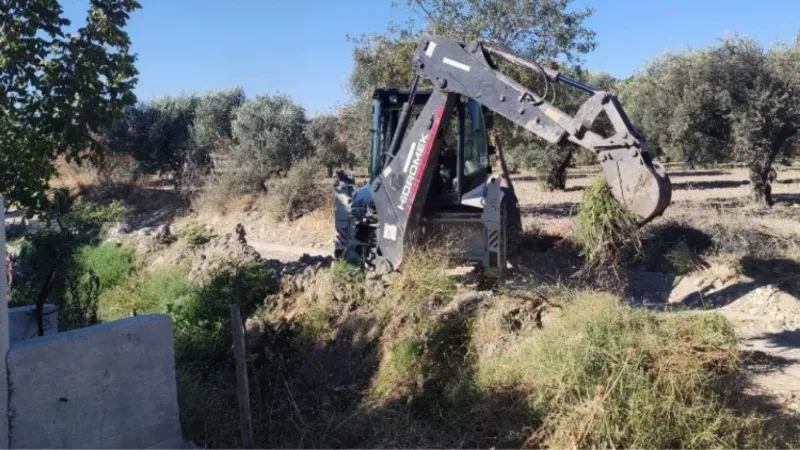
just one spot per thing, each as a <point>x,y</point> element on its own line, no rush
<point>58,90</point>
<point>269,132</point>
<point>543,30</point>
<point>329,148</point>
<point>733,101</point>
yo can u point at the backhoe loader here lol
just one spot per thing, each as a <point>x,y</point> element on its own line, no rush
<point>434,182</point>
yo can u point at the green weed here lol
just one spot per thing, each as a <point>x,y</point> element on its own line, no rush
<point>146,292</point>
<point>196,234</point>
<point>111,263</point>
<point>602,228</point>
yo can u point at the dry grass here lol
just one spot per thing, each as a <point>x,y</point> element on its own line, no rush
<point>72,177</point>
<point>603,375</point>
<point>603,228</point>
<point>407,310</point>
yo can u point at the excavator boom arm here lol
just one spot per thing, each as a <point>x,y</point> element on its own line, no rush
<point>470,70</point>
<point>457,70</point>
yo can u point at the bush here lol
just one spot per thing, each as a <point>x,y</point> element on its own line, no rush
<point>196,234</point>
<point>84,215</point>
<point>299,193</point>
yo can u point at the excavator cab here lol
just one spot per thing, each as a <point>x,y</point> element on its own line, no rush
<point>464,159</point>
<point>462,206</point>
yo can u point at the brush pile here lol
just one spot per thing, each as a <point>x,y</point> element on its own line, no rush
<point>604,230</point>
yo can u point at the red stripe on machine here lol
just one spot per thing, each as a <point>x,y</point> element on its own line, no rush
<point>428,145</point>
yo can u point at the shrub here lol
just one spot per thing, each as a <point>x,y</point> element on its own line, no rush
<point>111,263</point>
<point>299,193</point>
<point>84,215</point>
<point>196,234</point>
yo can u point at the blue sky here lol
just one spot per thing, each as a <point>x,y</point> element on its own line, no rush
<point>299,47</point>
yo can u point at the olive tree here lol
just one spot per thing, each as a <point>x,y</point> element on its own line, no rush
<point>157,134</point>
<point>355,123</point>
<point>269,132</point>
<point>549,160</point>
<point>59,90</point>
<point>543,30</point>
<point>731,101</point>
<point>212,130</point>
<point>329,149</point>
<point>210,133</point>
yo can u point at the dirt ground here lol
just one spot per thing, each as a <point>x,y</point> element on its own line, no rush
<point>701,196</point>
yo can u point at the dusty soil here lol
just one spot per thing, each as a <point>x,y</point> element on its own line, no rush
<point>701,195</point>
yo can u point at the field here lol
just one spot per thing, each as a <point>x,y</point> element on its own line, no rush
<point>722,253</point>
<point>704,332</point>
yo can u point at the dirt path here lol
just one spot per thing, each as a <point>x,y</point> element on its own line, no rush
<point>271,250</point>
<point>766,318</point>
<point>768,322</point>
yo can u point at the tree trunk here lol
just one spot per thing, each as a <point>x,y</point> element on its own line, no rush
<point>761,184</point>
<point>557,177</point>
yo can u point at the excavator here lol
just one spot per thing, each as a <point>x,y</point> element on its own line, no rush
<point>434,183</point>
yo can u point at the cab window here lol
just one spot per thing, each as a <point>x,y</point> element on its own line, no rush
<point>475,145</point>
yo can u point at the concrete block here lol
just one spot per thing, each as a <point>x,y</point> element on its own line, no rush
<point>106,386</point>
<point>22,322</point>
<point>4,334</point>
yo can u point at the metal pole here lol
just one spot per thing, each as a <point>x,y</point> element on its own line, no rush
<point>575,83</point>
<point>405,113</point>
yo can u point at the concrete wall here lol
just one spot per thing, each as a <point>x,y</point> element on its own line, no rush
<point>106,386</point>
<point>4,341</point>
<point>22,322</point>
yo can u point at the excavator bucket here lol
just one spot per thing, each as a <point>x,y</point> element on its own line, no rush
<point>642,186</point>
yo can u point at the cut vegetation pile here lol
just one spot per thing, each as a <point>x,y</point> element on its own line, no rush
<point>603,229</point>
